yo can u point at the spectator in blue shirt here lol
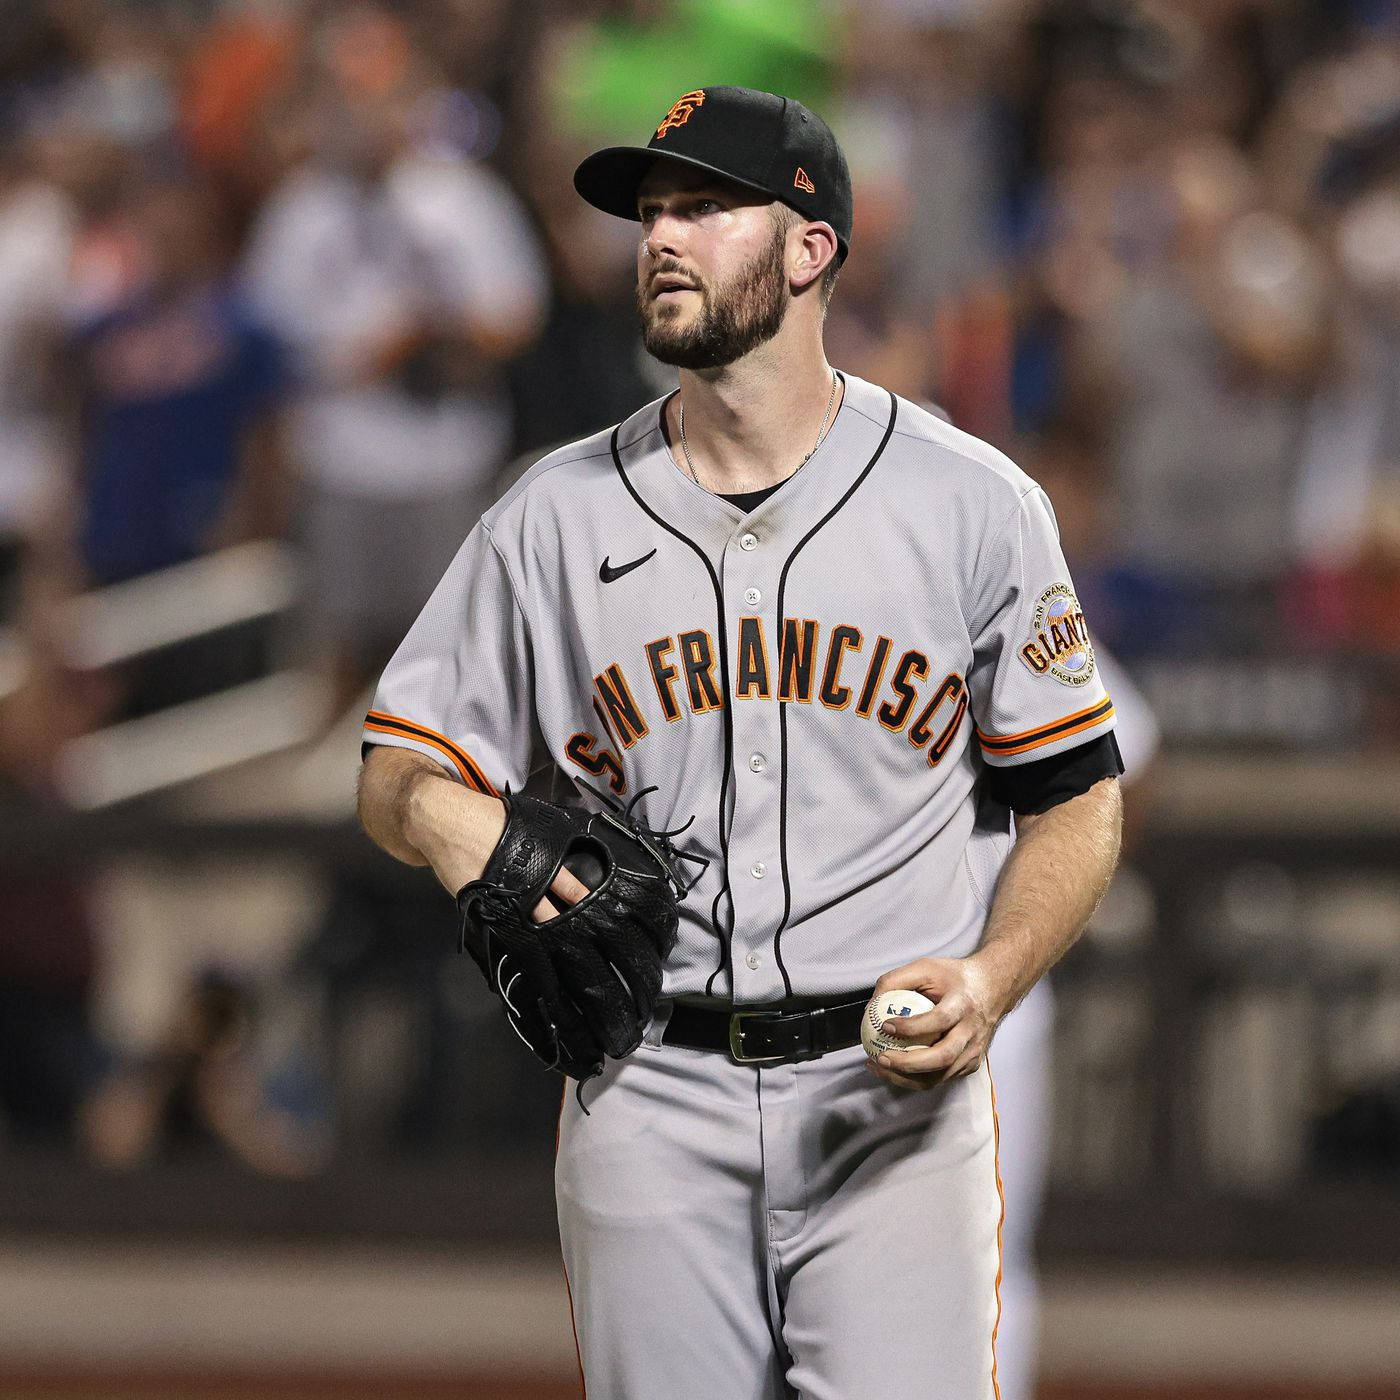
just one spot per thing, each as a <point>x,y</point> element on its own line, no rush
<point>177,388</point>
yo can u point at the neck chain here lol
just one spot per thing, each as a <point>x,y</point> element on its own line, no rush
<point>821,433</point>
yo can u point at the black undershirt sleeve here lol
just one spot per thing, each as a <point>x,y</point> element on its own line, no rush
<point>1038,786</point>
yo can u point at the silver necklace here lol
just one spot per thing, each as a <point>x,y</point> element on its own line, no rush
<point>821,433</point>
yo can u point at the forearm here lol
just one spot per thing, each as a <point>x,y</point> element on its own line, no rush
<point>1050,885</point>
<point>411,808</point>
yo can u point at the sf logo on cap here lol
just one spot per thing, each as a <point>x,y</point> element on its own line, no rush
<point>680,111</point>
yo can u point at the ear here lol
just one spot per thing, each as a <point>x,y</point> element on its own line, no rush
<point>814,250</point>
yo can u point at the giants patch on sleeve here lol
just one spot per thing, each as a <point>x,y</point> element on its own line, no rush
<point>1059,642</point>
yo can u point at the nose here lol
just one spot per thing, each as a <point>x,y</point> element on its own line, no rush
<point>664,237</point>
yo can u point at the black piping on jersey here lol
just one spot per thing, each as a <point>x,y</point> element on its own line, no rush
<point>727,936</point>
<point>783,704</point>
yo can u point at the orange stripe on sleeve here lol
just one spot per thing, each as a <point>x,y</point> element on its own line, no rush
<point>471,774</point>
<point>1047,733</point>
<point>1062,734</point>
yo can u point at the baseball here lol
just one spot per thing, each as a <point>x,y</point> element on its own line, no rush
<point>895,1003</point>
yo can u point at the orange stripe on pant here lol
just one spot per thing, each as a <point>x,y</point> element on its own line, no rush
<point>573,1321</point>
<point>1001,1222</point>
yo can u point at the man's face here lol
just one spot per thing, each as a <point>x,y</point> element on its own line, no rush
<point>711,271</point>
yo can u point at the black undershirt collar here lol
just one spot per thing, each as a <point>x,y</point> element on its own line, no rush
<point>750,500</point>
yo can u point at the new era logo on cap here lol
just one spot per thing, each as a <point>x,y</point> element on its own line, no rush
<point>803,181</point>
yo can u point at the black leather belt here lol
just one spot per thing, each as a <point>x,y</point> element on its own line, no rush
<point>769,1036</point>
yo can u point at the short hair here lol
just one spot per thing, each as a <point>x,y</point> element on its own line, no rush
<point>786,217</point>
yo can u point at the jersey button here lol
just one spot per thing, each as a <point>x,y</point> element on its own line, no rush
<point>752,961</point>
<point>748,541</point>
<point>758,870</point>
<point>753,597</point>
<point>757,762</point>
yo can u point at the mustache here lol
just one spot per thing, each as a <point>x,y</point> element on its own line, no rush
<point>674,267</point>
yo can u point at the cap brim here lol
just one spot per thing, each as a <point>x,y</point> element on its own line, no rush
<point>609,179</point>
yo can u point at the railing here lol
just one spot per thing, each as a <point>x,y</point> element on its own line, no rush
<point>113,627</point>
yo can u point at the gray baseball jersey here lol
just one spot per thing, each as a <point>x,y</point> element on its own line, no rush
<point>813,686</point>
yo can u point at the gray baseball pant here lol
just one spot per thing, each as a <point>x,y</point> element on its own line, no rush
<point>795,1230</point>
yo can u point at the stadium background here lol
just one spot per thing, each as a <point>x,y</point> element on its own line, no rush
<point>288,290</point>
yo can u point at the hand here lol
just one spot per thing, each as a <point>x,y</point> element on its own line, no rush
<point>949,1041</point>
<point>566,887</point>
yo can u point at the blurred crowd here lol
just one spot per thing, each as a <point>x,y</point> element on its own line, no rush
<point>315,272</point>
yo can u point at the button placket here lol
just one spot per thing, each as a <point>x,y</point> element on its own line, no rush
<point>755,735</point>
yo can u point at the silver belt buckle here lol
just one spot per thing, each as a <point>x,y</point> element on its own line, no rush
<point>736,1042</point>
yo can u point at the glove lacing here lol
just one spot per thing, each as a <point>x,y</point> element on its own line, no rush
<point>659,844</point>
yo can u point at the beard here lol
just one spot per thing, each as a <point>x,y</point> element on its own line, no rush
<point>735,318</point>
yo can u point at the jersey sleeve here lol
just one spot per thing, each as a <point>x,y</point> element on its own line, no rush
<point>1035,686</point>
<point>460,687</point>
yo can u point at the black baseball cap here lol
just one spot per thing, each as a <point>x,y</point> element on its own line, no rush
<point>763,142</point>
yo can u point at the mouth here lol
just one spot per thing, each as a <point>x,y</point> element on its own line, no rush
<point>668,285</point>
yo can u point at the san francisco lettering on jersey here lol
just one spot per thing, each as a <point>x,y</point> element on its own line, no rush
<point>815,665</point>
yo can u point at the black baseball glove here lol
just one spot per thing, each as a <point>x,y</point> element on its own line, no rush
<point>584,984</point>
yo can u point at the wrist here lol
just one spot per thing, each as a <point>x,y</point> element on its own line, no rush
<point>997,970</point>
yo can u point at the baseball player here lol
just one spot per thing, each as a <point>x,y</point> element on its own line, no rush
<point>828,643</point>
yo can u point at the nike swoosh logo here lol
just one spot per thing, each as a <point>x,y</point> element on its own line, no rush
<point>610,575</point>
